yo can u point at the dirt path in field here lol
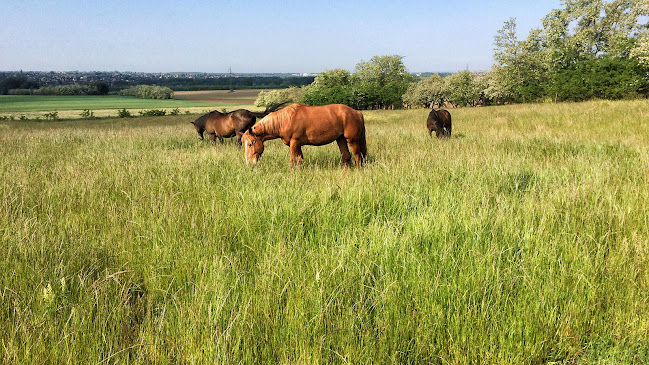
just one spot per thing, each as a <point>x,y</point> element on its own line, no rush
<point>219,96</point>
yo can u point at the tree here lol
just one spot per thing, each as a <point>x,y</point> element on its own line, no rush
<point>280,96</point>
<point>462,90</point>
<point>100,86</point>
<point>573,54</point>
<point>428,93</point>
<point>330,87</point>
<point>12,83</point>
<point>641,30</point>
<point>383,80</point>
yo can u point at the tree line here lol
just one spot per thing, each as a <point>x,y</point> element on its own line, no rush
<point>13,84</point>
<point>21,86</point>
<point>377,83</point>
<point>588,49</point>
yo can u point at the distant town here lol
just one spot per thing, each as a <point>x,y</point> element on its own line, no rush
<point>117,80</point>
<point>72,77</point>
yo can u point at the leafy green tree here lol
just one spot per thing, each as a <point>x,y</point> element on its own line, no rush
<point>383,80</point>
<point>11,83</point>
<point>330,87</point>
<point>101,87</point>
<point>428,93</point>
<point>281,96</point>
<point>641,50</point>
<point>462,90</point>
<point>580,48</point>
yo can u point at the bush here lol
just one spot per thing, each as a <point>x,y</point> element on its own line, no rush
<point>87,114</point>
<point>282,96</point>
<point>152,113</point>
<point>52,115</point>
<point>123,113</point>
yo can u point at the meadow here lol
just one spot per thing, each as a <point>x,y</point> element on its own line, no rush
<point>523,238</point>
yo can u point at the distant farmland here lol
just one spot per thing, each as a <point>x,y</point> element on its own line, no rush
<point>71,107</point>
<point>219,96</point>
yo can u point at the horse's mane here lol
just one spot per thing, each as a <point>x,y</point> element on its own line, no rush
<point>201,119</point>
<point>273,121</point>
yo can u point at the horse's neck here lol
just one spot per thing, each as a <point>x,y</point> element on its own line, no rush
<point>271,129</point>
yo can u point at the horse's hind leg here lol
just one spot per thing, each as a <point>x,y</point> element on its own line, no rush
<point>358,153</point>
<point>344,151</point>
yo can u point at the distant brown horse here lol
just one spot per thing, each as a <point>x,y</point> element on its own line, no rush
<point>298,125</point>
<point>440,122</point>
<point>225,125</point>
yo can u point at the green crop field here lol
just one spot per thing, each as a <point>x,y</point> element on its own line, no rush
<point>523,239</point>
<point>70,107</point>
<point>37,103</point>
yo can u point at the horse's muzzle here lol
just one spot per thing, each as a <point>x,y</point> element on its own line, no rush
<point>252,161</point>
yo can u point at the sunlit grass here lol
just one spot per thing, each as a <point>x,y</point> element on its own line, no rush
<point>521,239</point>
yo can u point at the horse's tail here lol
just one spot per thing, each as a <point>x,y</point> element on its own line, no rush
<point>269,109</point>
<point>363,141</point>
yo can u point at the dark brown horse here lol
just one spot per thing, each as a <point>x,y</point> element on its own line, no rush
<point>225,125</point>
<point>440,122</point>
<point>298,125</point>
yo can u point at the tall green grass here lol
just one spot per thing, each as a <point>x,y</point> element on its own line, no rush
<point>521,239</point>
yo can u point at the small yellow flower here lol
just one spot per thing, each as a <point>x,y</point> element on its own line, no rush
<point>48,294</point>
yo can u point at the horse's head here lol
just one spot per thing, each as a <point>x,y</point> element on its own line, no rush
<point>253,145</point>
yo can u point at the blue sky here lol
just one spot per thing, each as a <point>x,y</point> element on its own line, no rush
<point>255,36</point>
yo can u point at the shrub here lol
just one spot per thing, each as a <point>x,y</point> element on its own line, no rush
<point>87,114</point>
<point>277,97</point>
<point>123,113</point>
<point>152,113</point>
<point>52,115</point>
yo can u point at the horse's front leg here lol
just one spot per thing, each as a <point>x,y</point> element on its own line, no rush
<point>296,153</point>
<point>212,138</point>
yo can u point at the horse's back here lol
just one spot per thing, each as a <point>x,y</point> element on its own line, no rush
<point>445,116</point>
<point>332,113</point>
<point>441,115</point>
<point>319,125</point>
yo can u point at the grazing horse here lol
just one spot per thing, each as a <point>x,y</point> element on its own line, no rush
<point>440,122</point>
<point>299,125</point>
<point>225,125</point>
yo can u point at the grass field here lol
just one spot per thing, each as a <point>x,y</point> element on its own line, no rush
<point>70,107</point>
<point>523,239</point>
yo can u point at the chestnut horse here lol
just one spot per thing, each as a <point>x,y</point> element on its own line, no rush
<point>225,125</point>
<point>440,122</point>
<point>298,125</point>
